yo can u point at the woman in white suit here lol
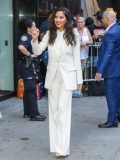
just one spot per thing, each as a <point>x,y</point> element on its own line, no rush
<point>63,76</point>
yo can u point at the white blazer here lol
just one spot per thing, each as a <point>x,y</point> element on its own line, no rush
<point>68,61</point>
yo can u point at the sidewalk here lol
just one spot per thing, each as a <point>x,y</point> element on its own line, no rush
<point>88,142</point>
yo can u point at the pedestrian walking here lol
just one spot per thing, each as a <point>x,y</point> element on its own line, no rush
<point>63,76</point>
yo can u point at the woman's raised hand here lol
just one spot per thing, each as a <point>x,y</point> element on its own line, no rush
<point>35,35</point>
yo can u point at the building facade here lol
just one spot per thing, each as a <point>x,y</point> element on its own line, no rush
<point>10,13</point>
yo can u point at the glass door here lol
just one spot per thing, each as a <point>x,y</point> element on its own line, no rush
<point>6,47</point>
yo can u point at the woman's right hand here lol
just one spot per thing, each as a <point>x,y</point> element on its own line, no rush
<point>35,35</point>
<point>83,44</point>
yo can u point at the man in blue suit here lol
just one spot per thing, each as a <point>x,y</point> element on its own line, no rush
<point>108,67</point>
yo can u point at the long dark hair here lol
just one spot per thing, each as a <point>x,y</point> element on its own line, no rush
<point>24,24</point>
<point>89,21</point>
<point>69,35</point>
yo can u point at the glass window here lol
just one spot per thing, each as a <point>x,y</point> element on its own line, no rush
<point>27,9</point>
<point>46,5</point>
<point>6,47</point>
<point>73,5</point>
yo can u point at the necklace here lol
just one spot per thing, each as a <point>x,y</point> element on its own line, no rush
<point>80,31</point>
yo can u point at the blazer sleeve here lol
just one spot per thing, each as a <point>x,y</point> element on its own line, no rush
<point>38,48</point>
<point>77,61</point>
<point>109,44</point>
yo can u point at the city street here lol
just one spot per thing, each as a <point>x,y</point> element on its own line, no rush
<point>22,139</point>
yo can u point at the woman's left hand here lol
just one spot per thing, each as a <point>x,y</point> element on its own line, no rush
<point>79,87</point>
<point>83,44</point>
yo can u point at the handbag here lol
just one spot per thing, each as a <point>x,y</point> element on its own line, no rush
<point>96,88</point>
<point>76,94</point>
<point>20,89</point>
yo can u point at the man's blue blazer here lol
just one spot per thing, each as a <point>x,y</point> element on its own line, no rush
<point>109,54</point>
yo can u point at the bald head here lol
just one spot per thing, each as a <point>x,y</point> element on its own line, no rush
<point>110,15</point>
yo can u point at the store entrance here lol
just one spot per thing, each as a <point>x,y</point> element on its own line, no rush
<point>6,48</point>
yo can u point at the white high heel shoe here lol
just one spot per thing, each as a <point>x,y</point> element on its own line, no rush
<point>57,154</point>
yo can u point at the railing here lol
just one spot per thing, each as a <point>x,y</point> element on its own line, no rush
<point>90,69</point>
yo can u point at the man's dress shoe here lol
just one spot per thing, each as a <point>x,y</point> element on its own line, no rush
<point>26,116</point>
<point>38,118</point>
<point>118,119</point>
<point>107,125</point>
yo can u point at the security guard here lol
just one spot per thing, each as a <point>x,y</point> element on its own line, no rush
<point>27,70</point>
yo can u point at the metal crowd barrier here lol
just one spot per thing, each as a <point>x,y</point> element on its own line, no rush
<point>90,69</point>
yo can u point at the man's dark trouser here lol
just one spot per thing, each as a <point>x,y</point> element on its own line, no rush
<point>112,91</point>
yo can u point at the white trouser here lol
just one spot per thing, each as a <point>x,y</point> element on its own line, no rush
<point>60,101</point>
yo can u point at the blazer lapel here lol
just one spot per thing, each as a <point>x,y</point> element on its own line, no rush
<point>62,48</point>
<point>59,52</point>
<point>55,50</point>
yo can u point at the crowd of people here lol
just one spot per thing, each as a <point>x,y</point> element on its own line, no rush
<point>64,49</point>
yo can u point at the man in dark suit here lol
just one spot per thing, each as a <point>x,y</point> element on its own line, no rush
<point>108,67</point>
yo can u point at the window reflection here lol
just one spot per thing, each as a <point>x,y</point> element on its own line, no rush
<point>73,5</point>
<point>46,5</point>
